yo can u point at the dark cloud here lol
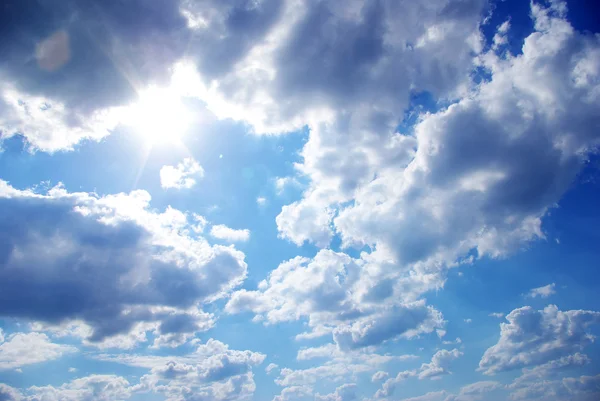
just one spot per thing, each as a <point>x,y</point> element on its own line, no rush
<point>61,264</point>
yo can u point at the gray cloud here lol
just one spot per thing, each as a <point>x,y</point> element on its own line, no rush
<point>533,337</point>
<point>109,262</point>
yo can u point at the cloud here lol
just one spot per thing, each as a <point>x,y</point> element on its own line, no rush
<point>439,364</point>
<point>346,392</point>
<point>281,183</point>
<point>310,376</point>
<point>533,337</point>
<point>212,371</point>
<point>379,376</point>
<point>432,370</point>
<point>446,188</point>
<point>96,387</point>
<point>8,393</point>
<point>223,232</point>
<point>181,176</point>
<point>293,393</point>
<point>261,201</point>
<point>20,349</point>
<point>542,292</point>
<point>47,124</point>
<point>301,222</point>
<point>117,263</point>
<point>548,381</point>
<point>343,296</point>
<point>472,392</point>
<point>271,367</point>
<point>52,52</point>
<point>498,315</point>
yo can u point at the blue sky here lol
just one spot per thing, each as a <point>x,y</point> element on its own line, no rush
<point>299,200</point>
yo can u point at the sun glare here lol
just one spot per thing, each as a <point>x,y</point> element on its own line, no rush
<point>160,116</point>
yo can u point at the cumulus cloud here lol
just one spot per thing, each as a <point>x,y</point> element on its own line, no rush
<point>478,391</point>
<point>293,393</point>
<point>305,221</point>
<point>346,392</point>
<point>542,292</point>
<point>223,232</point>
<point>549,381</point>
<point>533,337</point>
<point>346,296</point>
<point>182,176</point>
<point>447,188</point>
<point>437,367</point>
<point>109,262</point>
<point>271,367</point>
<point>212,371</point>
<point>20,349</point>
<point>439,364</point>
<point>8,393</point>
<point>379,376</point>
<point>96,387</point>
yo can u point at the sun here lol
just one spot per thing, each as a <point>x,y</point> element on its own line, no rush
<point>159,116</point>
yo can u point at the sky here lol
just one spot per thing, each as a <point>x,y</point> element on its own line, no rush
<point>280,200</point>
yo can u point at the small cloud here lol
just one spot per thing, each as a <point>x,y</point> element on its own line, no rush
<point>457,341</point>
<point>281,183</point>
<point>19,370</point>
<point>379,376</point>
<point>498,315</point>
<point>542,292</point>
<point>223,232</point>
<point>72,370</point>
<point>182,176</point>
<point>261,201</point>
<point>468,320</point>
<point>201,223</point>
<point>271,368</point>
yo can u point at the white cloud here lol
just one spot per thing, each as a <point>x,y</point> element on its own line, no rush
<point>304,221</point>
<point>293,393</point>
<point>281,183</point>
<point>346,392</point>
<point>47,124</point>
<point>96,387</point>
<point>533,337</point>
<point>353,299</point>
<point>542,292</point>
<point>439,364</point>
<point>271,367</point>
<point>8,393</point>
<point>498,315</point>
<point>379,376</point>
<point>22,349</point>
<point>133,263</point>
<point>261,201</point>
<point>211,372</point>
<point>447,189</point>
<point>548,381</point>
<point>310,376</point>
<point>182,176</point>
<point>223,232</point>
<point>437,367</point>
